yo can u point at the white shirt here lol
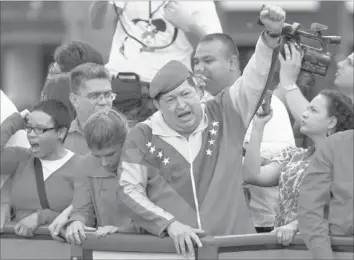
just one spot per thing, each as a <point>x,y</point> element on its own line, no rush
<point>278,134</point>
<point>146,64</point>
<point>7,109</point>
<point>50,167</point>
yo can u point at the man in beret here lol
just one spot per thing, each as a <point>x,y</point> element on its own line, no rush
<point>181,169</point>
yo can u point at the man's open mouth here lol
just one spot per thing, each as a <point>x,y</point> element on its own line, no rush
<point>184,114</point>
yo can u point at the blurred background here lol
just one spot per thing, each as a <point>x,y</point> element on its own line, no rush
<point>31,30</point>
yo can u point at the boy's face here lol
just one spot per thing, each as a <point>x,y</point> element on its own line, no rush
<point>109,157</point>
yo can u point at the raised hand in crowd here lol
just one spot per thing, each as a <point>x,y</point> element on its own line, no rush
<point>183,235</point>
<point>261,120</point>
<point>273,18</point>
<point>27,225</point>
<point>75,232</point>
<point>290,64</point>
<point>56,228</point>
<point>178,16</point>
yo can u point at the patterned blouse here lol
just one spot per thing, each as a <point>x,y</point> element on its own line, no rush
<point>294,161</point>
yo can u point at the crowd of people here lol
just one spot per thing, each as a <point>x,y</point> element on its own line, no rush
<point>185,151</point>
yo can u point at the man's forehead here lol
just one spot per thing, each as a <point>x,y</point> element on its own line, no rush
<point>96,85</point>
<point>184,86</point>
<point>209,48</point>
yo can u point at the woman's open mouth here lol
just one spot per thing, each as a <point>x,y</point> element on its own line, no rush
<point>34,147</point>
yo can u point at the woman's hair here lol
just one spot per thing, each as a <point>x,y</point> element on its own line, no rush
<point>70,55</point>
<point>57,111</point>
<point>105,128</point>
<point>340,106</point>
<point>58,87</point>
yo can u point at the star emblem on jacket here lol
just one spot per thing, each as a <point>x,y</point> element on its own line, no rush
<point>166,160</point>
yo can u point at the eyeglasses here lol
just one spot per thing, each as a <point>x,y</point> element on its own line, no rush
<point>38,130</point>
<point>109,95</point>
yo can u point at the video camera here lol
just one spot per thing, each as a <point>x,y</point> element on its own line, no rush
<point>315,60</point>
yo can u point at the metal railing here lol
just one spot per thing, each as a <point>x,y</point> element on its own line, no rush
<point>136,246</point>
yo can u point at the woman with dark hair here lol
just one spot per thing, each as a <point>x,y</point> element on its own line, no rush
<point>328,113</point>
<point>41,181</point>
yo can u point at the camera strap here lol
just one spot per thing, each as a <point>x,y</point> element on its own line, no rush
<point>271,73</point>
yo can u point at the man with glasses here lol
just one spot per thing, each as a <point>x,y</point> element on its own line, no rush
<point>91,91</point>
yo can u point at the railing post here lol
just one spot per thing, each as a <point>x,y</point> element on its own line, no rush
<point>76,253</point>
<point>209,250</point>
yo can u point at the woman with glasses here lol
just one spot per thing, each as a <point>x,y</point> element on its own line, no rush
<point>41,182</point>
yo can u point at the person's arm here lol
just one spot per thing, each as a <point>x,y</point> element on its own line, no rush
<point>252,171</point>
<point>133,179</point>
<point>98,11</point>
<point>83,208</point>
<point>247,90</point>
<point>10,156</point>
<point>9,127</point>
<point>195,19</point>
<point>289,71</point>
<point>314,194</point>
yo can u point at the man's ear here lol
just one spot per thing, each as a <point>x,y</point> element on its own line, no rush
<point>73,100</point>
<point>234,63</point>
<point>156,104</point>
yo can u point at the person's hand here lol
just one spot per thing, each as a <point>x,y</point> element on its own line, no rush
<point>103,231</point>
<point>261,120</point>
<point>178,16</point>
<point>286,234</point>
<point>183,235</point>
<point>56,227</point>
<point>290,65</point>
<point>24,114</point>
<point>5,215</point>
<point>25,227</point>
<point>75,232</point>
<point>273,17</point>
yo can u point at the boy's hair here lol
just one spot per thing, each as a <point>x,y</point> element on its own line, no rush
<point>57,111</point>
<point>105,128</point>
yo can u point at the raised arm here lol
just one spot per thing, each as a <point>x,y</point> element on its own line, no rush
<point>252,171</point>
<point>315,193</point>
<point>10,156</point>
<point>289,72</point>
<point>98,12</point>
<point>247,90</point>
<point>195,19</point>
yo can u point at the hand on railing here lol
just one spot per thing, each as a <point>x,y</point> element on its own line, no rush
<point>26,226</point>
<point>75,232</point>
<point>183,235</point>
<point>285,234</point>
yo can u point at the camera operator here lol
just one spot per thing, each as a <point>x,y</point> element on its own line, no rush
<point>289,73</point>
